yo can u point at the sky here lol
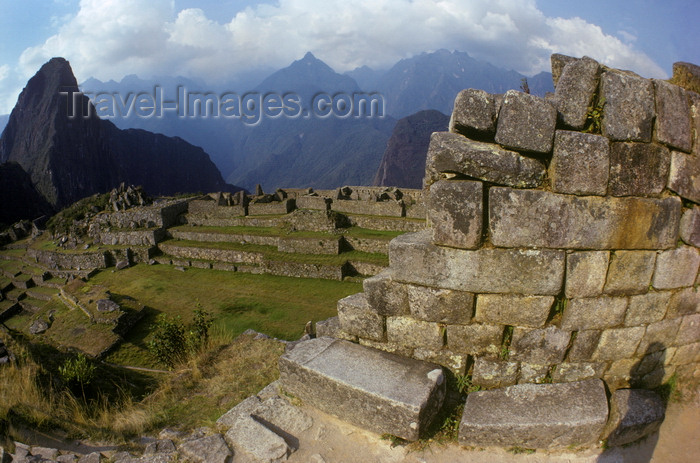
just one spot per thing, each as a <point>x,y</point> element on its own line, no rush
<point>219,40</point>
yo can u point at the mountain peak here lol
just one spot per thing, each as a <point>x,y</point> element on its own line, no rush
<point>309,57</point>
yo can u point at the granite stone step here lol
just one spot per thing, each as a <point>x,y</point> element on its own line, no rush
<point>375,390</point>
<point>535,416</point>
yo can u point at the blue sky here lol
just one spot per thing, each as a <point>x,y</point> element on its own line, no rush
<point>217,40</point>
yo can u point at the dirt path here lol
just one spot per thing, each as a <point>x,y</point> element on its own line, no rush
<point>333,441</point>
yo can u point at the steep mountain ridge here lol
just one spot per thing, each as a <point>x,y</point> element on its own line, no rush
<point>54,134</point>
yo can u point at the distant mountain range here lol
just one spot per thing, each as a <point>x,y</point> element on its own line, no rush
<point>320,152</point>
<point>67,158</point>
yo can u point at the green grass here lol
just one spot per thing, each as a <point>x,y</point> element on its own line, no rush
<point>272,254</point>
<point>278,306</point>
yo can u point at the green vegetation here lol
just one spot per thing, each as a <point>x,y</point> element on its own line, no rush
<point>173,343</point>
<point>505,346</point>
<point>63,221</point>
<point>278,306</point>
<point>594,117</point>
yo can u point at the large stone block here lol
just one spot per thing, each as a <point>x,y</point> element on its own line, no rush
<point>512,309</point>
<point>628,114</point>
<point>659,336</point>
<point>638,169</point>
<point>672,116</point>
<point>357,318</point>
<point>635,413</point>
<point>255,439</point>
<point>580,163</point>
<point>455,211</point>
<point>414,259</point>
<point>630,272</point>
<point>684,176</point>
<point>476,339</point>
<point>574,91</point>
<point>533,218</point>
<point>410,332</point>
<point>690,226</point>
<point>385,296</point>
<point>583,346</point>
<point>688,353</point>
<point>594,313</point>
<point>535,415</point>
<point>558,63</point>
<point>542,346</point>
<point>684,302</point>
<point>456,362</point>
<point>440,305</point>
<point>453,153</point>
<point>676,268</point>
<point>694,100</point>
<point>532,373</point>
<point>526,123</point>
<point>381,392</point>
<point>689,331</point>
<point>647,308</point>
<point>568,372</point>
<point>618,343</point>
<point>474,113</point>
<point>585,273</point>
<point>490,373</point>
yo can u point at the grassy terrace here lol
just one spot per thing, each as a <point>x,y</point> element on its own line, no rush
<point>272,254</point>
<point>276,305</point>
<point>355,232</point>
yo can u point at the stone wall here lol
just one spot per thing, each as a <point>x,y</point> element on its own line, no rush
<point>563,243</point>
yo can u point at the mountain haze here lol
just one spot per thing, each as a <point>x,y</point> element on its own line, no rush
<point>68,158</point>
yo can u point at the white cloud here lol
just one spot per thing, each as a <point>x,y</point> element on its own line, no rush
<point>4,71</point>
<point>108,39</point>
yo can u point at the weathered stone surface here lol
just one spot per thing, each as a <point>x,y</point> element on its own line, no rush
<point>580,163</point>
<point>357,317</point>
<point>647,308</point>
<point>455,211</point>
<point>513,309</point>
<point>414,259</point>
<point>474,113</point>
<point>384,295</point>
<point>414,333</point>
<point>585,273</point>
<point>251,437</point>
<point>594,313</point>
<point>494,373</point>
<point>618,343</point>
<point>440,305</point>
<point>331,328</point>
<point>282,415</point>
<point>630,272</point>
<point>694,100</point>
<point>684,175</point>
<point>684,302</point>
<point>375,390</point>
<point>449,152</point>
<point>475,339</point>
<point>676,268</point>
<point>107,305</point>
<point>689,331</point>
<point>44,452</point>
<point>634,413</point>
<point>568,372</point>
<point>574,91</point>
<point>583,346</point>
<point>533,218</point>
<point>542,346</point>
<point>530,373</point>
<point>390,347</point>
<point>658,336</point>
<point>672,116</point>
<point>526,122</point>
<point>38,326</point>
<point>628,114</point>
<point>689,353</point>
<point>159,446</point>
<point>638,169</point>
<point>242,410</point>
<point>535,415</point>
<point>209,449</point>
<point>558,63</point>
<point>690,226</point>
<point>456,362</point>
<point>686,75</point>
<point>94,457</point>
<point>65,458</point>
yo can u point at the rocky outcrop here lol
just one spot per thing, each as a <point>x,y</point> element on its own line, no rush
<point>19,198</point>
<point>69,152</point>
<point>403,163</point>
